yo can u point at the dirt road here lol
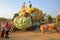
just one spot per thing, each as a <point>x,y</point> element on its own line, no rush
<point>33,36</point>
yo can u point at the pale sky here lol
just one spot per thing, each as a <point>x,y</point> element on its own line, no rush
<point>9,7</point>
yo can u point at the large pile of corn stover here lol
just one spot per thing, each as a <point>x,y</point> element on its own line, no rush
<point>28,16</point>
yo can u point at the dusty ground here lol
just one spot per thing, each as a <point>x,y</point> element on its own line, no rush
<point>28,35</point>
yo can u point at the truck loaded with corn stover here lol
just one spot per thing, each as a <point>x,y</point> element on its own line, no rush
<point>28,16</point>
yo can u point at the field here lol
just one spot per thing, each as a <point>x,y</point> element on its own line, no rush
<point>32,35</point>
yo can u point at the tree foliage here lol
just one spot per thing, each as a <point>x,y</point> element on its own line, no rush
<point>15,15</point>
<point>49,18</point>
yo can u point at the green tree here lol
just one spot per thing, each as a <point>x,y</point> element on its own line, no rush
<point>43,18</point>
<point>57,20</point>
<point>15,15</point>
<point>49,18</point>
<point>3,19</point>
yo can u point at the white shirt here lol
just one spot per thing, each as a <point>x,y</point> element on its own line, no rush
<point>2,26</point>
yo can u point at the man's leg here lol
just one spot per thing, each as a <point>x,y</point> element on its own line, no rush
<point>2,34</point>
<point>6,34</point>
